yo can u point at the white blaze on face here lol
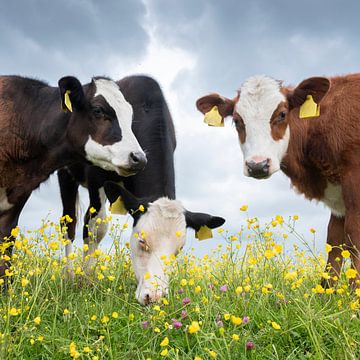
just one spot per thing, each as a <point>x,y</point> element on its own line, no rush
<point>259,98</point>
<point>114,157</point>
<point>163,229</point>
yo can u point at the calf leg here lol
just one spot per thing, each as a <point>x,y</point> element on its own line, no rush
<point>351,196</point>
<point>69,196</point>
<point>94,227</point>
<point>335,238</point>
<point>9,220</point>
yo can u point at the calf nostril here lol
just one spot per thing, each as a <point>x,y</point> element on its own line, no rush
<point>135,157</point>
<point>147,299</point>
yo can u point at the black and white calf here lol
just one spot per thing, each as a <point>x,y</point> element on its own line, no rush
<point>155,185</point>
<point>44,128</point>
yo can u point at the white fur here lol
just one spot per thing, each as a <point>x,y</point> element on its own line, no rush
<point>114,157</point>
<point>160,223</point>
<point>4,203</point>
<point>333,198</point>
<point>259,97</point>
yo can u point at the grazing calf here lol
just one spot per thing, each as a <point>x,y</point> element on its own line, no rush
<point>37,137</point>
<point>159,231</point>
<point>153,127</point>
<point>320,155</point>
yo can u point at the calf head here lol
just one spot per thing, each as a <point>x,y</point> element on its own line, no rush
<point>100,125</point>
<point>261,117</point>
<point>158,233</point>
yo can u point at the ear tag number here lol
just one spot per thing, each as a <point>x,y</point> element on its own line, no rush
<point>213,117</point>
<point>67,100</point>
<point>309,108</point>
<point>118,207</point>
<point>204,233</point>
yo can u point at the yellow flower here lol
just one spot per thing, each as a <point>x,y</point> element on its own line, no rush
<point>351,273</point>
<point>194,327</point>
<point>54,245</point>
<point>239,290</point>
<point>92,210</point>
<point>312,230</point>
<point>357,292</point>
<point>14,312</point>
<point>197,358</point>
<point>93,318</point>
<point>183,282</point>
<point>178,233</point>
<point>164,352</point>
<point>318,289</point>
<point>165,342</point>
<point>236,320</point>
<point>24,282</point>
<point>269,254</point>
<point>37,320</point>
<point>197,289</point>
<point>329,291</point>
<point>275,325</point>
<point>296,217</point>
<point>87,349</point>
<point>345,254</point>
<point>72,351</point>
<point>105,319</point>
<point>15,232</point>
<point>212,353</point>
<point>131,317</point>
<point>291,275</point>
<point>328,248</point>
<point>147,276</point>
<point>141,208</point>
<point>157,330</point>
<point>115,315</point>
<point>244,208</point>
<point>235,337</point>
<point>66,312</point>
<point>40,338</point>
<point>227,316</point>
<point>354,305</point>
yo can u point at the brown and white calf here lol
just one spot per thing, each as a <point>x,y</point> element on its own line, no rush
<point>44,128</point>
<point>321,155</point>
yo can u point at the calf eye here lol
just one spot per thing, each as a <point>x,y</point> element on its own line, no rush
<point>98,112</point>
<point>144,246</point>
<point>281,116</point>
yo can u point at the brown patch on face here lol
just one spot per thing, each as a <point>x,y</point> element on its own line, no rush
<point>240,127</point>
<point>278,121</point>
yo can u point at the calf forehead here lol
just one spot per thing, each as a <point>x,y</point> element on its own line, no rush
<point>111,92</point>
<point>259,97</point>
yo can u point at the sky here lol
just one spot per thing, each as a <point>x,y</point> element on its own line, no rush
<point>191,48</point>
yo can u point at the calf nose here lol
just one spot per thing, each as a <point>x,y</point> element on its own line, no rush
<point>137,160</point>
<point>258,170</point>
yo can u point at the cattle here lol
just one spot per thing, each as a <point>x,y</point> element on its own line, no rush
<point>312,133</point>
<point>44,128</point>
<point>164,219</point>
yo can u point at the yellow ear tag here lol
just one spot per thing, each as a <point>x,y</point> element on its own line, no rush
<point>118,207</point>
<point>204,233</point>
<point>67,100</point>
<point>213,117</point>
<point>309,108</point>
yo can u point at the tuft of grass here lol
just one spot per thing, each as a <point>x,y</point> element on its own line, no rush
<point>248,299</point>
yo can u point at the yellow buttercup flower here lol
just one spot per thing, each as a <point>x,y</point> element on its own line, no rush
<point>275,325</point>
<point>194,327</point>
<point>165,342</point>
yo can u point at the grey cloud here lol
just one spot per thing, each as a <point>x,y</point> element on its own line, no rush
<point>50,39</point>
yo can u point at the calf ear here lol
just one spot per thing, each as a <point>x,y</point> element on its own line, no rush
<point>196,220</point>
<point>317,87</point>
<point>72,94</point>
<point>224,105</point>
<point>132,204</point>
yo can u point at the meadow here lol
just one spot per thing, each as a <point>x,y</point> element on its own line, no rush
<point>254,297</point>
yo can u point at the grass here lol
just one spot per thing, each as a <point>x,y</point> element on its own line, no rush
<point>247,300</point>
